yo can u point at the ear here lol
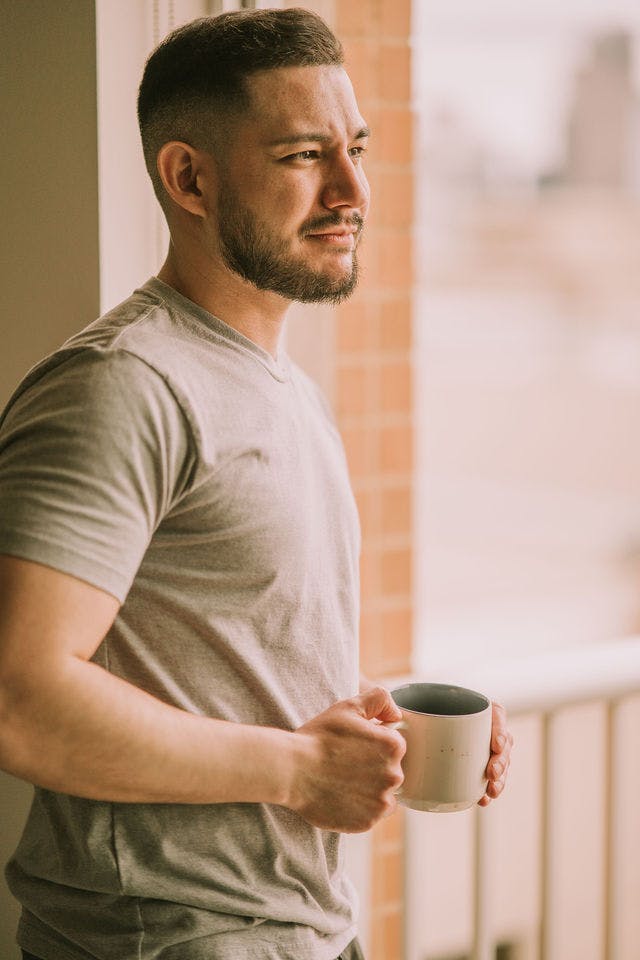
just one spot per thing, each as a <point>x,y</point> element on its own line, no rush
<point>180,167</point>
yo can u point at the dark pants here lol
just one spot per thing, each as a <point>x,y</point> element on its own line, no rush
<point>352,952</point>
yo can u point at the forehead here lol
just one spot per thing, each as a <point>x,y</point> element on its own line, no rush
<point>289,101</point>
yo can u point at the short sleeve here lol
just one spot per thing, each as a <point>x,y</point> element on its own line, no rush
<point>92,456</point>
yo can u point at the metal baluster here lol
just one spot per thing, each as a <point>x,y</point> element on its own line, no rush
<point>546,799</point>
<point>611,851</point>
<point>482,941</point>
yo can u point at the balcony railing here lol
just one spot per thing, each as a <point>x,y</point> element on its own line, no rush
<point>545,688</point>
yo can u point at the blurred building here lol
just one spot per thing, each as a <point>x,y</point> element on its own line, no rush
<point>527,356</point>
<point>604,116</point>
<point>527,336</point>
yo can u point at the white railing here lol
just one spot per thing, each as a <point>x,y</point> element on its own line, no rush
<point>544,687</point>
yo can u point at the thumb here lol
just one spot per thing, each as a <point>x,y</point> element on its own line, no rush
<point>378,704</point>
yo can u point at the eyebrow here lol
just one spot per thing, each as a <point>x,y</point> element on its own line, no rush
<point>313,137</point>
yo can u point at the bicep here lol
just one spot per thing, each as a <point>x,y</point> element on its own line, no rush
<point>92,457</point>
<point>46,617</point>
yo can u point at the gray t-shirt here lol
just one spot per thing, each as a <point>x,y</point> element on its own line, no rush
<point>168,460</point>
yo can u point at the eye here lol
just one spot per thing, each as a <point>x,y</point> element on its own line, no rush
<point>357,153</point>
<point>303,155</point>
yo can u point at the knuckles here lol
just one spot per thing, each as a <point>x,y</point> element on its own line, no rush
<point>395,743</point>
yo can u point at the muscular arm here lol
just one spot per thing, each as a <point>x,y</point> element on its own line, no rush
<point>69,725</point>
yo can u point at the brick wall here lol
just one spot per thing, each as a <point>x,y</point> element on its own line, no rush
<point>361,353</point>
<point>373,395</point>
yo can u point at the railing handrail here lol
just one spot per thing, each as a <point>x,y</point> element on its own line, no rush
<point>548,681</point>
<point>544,684</point>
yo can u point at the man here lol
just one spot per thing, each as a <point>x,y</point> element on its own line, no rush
<point>178,585</point>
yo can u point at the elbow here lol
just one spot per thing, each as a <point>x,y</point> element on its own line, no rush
<point>17,747</point>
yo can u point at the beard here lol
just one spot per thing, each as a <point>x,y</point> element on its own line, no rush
<point>252,251</point>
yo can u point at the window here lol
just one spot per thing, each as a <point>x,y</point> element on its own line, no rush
<point>527,336</point>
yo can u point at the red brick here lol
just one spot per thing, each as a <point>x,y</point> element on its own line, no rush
<point>393,199</point>
<point>356,18</point>
<point>394,72</point>
<point>369,574</point>
<point>369,643</point>
<point>395,387</point>
<point>395,572</point>
<point>389,833</point>
<point>352,389</point>
<point>396,510</point>
<point>394,135</point>
<point>395,263</point>
<point>388,877</point>
<point>395,19</point>
<point>396,449</point>
<point>396,635</point>
<point>387,940</point>
<point>355,440</point>
<point>369,256</point>
<point>361,63</point>
<point>368,502</point>
<point>396,324</point>
<point>353,330</point>
<point>369,628</point>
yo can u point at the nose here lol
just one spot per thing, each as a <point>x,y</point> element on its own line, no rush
<point>346,186</point>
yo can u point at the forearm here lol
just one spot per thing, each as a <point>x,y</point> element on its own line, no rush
<point>68,725</point>
<point>91,734</point>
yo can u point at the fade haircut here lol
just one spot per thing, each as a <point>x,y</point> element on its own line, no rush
<point>193,82</point>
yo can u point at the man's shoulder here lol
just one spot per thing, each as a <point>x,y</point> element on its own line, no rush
<point>141,324</point>
<point>143,330</point>
<point>110,350</point>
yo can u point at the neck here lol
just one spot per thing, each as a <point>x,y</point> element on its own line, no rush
<point>257,314</point>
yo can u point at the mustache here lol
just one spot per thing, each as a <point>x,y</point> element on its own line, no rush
<point>332,220</point>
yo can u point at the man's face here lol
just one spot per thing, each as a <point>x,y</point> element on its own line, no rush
<point>292,195</point>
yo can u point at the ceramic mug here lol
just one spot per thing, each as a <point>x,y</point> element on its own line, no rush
<point>448,734</point>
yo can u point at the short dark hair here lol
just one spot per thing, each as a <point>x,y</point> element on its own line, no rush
<point>195,78</point>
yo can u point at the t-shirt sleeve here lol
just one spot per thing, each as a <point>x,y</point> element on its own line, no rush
<point>92,456</point>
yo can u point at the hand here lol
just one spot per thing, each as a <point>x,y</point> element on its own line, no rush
<point>349,767</point>
<point>498,766</point>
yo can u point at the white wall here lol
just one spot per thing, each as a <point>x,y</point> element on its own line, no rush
<point>130,219</point>
<point>133,234</point>
<point>49,272</point>
<point>49,240</point>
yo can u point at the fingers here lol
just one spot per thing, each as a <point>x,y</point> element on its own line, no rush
<point>363,822</point>
<point>392,806</point>
<point>495,787</point>
<point>500,735</point>
<point>500,760</point>
<point>349,767</point>
<point>501,743</point>
<point>378,704</point>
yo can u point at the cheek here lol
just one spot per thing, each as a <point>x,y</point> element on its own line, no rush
<point>253,182</point>
<point>367,191</point>
<point>288,203</point>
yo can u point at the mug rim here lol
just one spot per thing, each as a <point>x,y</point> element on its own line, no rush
<point>442,687</point>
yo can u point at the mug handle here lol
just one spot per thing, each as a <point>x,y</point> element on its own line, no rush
<point>398,725</point>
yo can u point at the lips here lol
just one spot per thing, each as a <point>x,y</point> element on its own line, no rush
<point>333,226</point>
<point>333,233</point>
<point>333,236</point>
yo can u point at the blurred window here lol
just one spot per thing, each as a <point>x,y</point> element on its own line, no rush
<point>527,326</point>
